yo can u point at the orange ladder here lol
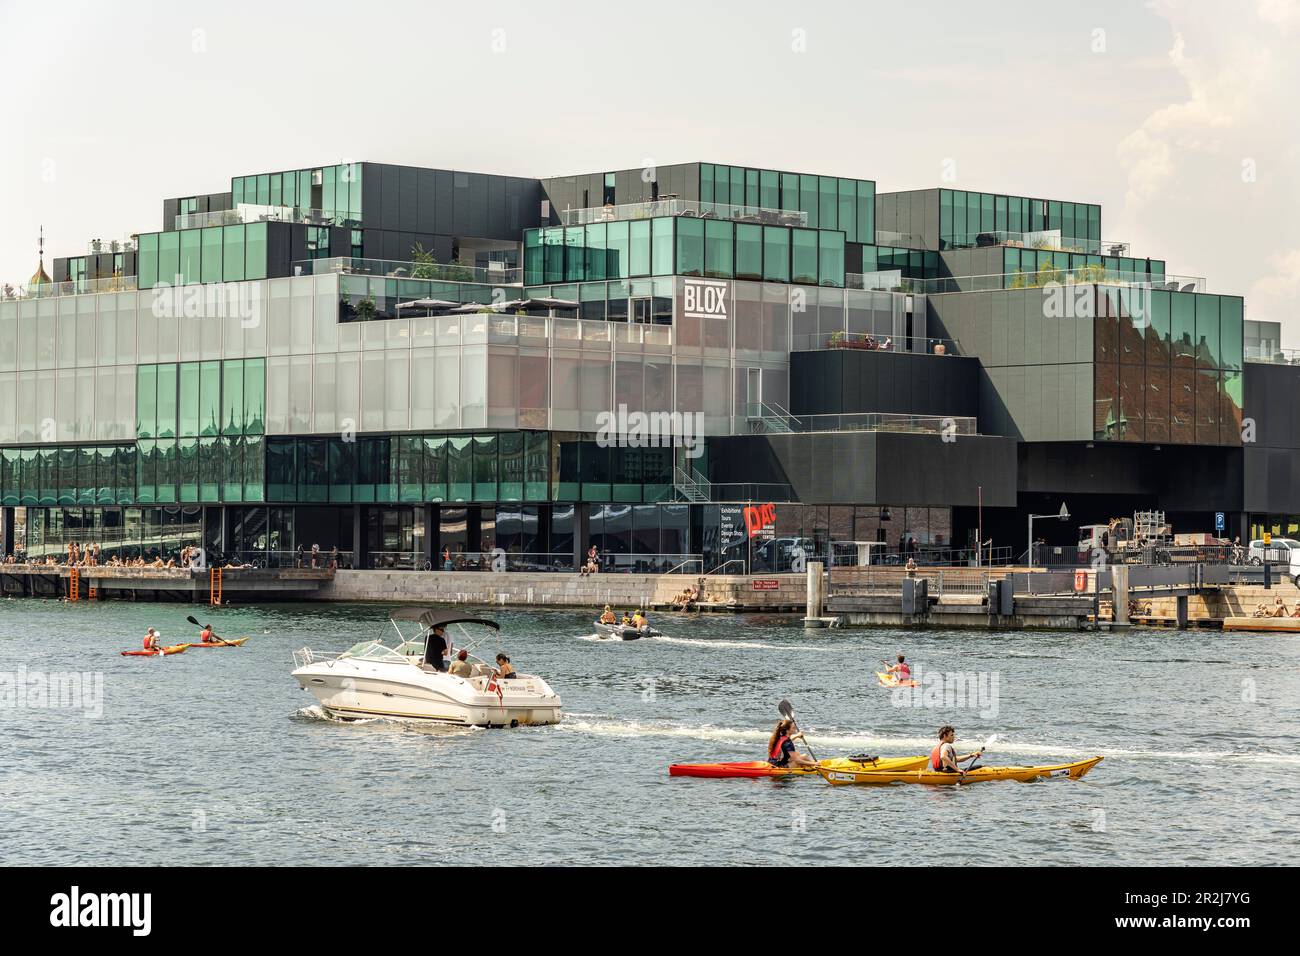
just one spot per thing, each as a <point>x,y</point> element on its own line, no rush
<point>74,584</point>
<point>214,587</point>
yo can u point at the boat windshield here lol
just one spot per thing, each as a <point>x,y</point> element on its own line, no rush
<point>373,650</point>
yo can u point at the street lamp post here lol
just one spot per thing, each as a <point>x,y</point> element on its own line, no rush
<point>1062,515</point>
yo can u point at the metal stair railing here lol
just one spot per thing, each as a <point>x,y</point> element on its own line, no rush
<point>691,486</point>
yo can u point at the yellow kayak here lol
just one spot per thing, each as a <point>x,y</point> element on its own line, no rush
<point>233,642</point>
<point>761,768</point>
<point>846,775</point>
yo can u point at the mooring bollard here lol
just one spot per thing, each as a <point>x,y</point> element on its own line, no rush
<point>813,613</point>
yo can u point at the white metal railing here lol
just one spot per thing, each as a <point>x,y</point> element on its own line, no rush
<point>1041,239</point>
<point>1272,356</point>
<point>683,207</point>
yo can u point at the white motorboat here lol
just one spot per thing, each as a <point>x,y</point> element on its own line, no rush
<point>625,632</point>
<point>391,677</point>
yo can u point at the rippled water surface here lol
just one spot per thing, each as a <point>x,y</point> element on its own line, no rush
<point>216,756</point>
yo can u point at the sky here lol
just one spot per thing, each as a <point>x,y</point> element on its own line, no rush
<point>1178,116</point>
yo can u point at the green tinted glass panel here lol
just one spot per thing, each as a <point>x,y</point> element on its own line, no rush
<point>209,414</point>
<point>617,262</point>
<point>776,254</point>
<point>661,240</point>
<point>146,401</point>
<point>803,256</point>
<point>830,258</point>
<point>232,253</point>
<point>189,261</point>
<point>718,248</point>
<point>254,396</point>
<point>639,254</point>
<point>1207,331</point>
<point>749,251</point>
<point>189,403</point>
<point>232,398</point>
<point>210,256</point>
<point>1231,334</point>
<point>255,251</point>
<point>167,423</point>
<point>169,257</point>
<point>690,246</point>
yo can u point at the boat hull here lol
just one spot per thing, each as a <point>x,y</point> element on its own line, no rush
<point>366,691</point>
<point>624,633</point>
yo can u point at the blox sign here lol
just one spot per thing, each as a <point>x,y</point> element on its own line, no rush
<point>704,299</point>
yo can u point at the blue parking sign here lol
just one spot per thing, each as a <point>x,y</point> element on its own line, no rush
<point>1218,521</point>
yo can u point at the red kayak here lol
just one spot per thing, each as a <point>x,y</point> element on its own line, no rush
<point>752,768</point>
<point>160,652</point>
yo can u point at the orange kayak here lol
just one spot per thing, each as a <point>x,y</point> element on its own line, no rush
<point>160,652</point>
<point>761,768</point>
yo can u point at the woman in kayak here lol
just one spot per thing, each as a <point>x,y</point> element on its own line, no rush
<point>943,758</point>
<point>609,617</point>
<point>780,747</point>
<point>151,640</point>
<point>901,670</point>
<point>206,636</point>
<point>505,669</point>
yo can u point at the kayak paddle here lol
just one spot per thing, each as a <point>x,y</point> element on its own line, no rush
<point>987,744</point>
<point>787,711</point>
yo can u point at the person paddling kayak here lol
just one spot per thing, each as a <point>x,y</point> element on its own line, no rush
<point>780,747</point>
<point>151,642</point>
<point>943,758</point>
<point>206,636</point>
<point>901,670</point>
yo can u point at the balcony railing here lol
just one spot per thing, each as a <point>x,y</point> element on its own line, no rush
<point>50,290</point>
<point>250,212</point>
<point>1045,239</point>
<point>684,207</point>
<point>1272,356</point>
<point>872,342</point>
<point>492,274</point>
<point>880,422</point>
<point>101,247</point>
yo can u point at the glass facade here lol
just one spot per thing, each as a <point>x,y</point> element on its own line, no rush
<point>684,245</point>
<point>211,254</point>
<point>475,467</point>
<point>846,205</point>
<point>965,216</point>
<point>332,191</point>
<point>1168,367</point>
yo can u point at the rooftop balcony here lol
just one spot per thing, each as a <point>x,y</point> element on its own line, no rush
<point>1050,239</point>
<point>495,274</point>
<point>673,206</point>
<point>894,281</point>
<point>769,419</point>
<point>250,212</point>
<point>1271,356</point>
<point>52,290</point>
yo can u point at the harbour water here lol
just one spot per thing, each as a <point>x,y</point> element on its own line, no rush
<point>217,757</point>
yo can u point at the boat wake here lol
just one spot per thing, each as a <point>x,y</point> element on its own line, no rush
<point>316,712</point>
<point>830,740</point>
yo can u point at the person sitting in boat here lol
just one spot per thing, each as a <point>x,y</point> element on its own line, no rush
<point>206,636</point>
<point>505,669</point>
<point>151,642</point>
<point>609,617</point>
<point>436,647</point>
<point>901,670</point>
<point>639,620</point>
<point>943,758</point>
<point>627,619</point>
<point>461,667</point>
<point>780,747</point>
